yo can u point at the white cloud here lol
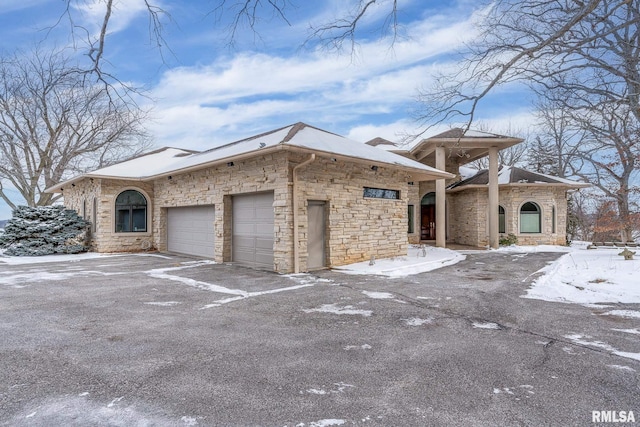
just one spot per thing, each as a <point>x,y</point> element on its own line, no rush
<point>13,5</point>
<point>204,105</point>
<point>123,13</point>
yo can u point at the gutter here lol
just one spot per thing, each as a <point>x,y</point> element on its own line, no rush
<point>296,249</point>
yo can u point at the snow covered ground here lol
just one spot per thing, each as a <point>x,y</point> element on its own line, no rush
<point>588,277</point>
<point>419,259</point>
<point>579,276</point>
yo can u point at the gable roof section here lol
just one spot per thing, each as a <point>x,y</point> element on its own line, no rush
<point>380,141</point>
<point>464,145</point>
<point>298,137</point>
<point>514,176</point>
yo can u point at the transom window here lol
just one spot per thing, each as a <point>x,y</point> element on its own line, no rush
<point>381,193</point>
<point>131,212</point>
<point>530,218</point>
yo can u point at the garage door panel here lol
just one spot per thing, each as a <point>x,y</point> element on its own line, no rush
<point>191,230</point>
<point>264,244</point>
<point>264,259</point>
<point>253,228</point>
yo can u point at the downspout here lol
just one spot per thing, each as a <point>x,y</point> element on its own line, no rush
<point>296,250</point>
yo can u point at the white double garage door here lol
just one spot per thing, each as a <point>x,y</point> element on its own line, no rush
<point>191,230</point>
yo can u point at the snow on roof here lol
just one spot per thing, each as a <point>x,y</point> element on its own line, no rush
<point>511,175</point>
<point>467,172</point>
<point>146,165</point>
<point>299,135</point>
<point>316,139</point>
<point>456,133</point>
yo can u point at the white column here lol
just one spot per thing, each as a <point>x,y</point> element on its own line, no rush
<point>441,230</point>
<point>493,198</point>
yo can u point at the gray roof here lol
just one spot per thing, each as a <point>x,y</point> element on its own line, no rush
<point>515,176</point>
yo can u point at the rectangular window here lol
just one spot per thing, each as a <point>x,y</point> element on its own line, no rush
<point>553,220</point>
<point>139,219</point>
<point>411,215</point>
<point>122,220</point>
<point>530,223</point>
<point>381,193</point>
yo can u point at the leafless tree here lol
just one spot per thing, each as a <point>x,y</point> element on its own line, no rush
<point>342,30</point>
<point>54,123</point>
<point>335,34</point>
<point>597,140</point>
<point>530,42</point>
<point>610,160</point>
<point>557,141</point>
<point>583,58</point>
<point>511,156</point>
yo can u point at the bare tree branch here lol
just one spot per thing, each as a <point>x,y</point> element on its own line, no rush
<point>54,123</point>
<point>527,42</point>
<point>334,34</point>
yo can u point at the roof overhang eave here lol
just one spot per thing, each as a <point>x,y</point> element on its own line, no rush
<point>58,188</point>
<point>417,174</point>
<point>575,186</point>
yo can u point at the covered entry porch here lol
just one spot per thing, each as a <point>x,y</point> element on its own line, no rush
<point>447,152</point>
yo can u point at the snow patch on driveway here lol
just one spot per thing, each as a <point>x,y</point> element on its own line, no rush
<point>629,314</point>
<point>416,321</point>
<point>378,295</point>
<point>486,325</point>
<point>585,341</point>
<point>335,309</point>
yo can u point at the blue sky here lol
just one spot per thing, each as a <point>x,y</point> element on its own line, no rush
<point>206,93</point>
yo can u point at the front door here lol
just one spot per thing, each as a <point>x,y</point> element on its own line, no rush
<point>316,255</point>
<point>428,223</point>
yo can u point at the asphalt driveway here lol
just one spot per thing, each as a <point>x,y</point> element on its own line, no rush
<point>155,340</point>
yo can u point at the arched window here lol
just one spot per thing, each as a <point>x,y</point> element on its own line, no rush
<point>553,219</point>
<point>131,212</point>
<point>530,218</point>
<point>502,228</point>
<point>428,199</point>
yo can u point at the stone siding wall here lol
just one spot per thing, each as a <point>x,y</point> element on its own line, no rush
<point>80,198</point>
<point>469,225</point>
<point>107,240</point>
<point>359,228</point>
<point>103,236</point>
<point>546,198</point>
<point>216,186</point>
<point>467,216</point>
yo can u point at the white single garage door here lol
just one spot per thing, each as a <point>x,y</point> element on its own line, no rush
<point>253,230</point>
<point>190,230</point>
